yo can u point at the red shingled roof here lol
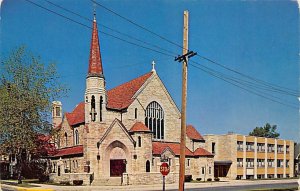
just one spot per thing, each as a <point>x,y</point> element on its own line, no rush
<point>77,115</point>
<point>202,152</point>
<point>159,147</point>
<point>139,127</point>
<point>193,134</point>
<point>120,97</point>
<point>69,151</point>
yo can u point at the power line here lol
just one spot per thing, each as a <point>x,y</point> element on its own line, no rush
<point>109,28</point>
<point>274,86</point>
<point>237,80</point>
<point>132,43</point>
<point>138,25</point>
<point>58,14</point>
<point>251,84</point>
<point>255,92</point>
<point>227,79</point>
<point>271,87</point>
<point>249,77</point>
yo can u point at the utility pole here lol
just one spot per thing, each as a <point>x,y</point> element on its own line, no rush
<point>184,59</point>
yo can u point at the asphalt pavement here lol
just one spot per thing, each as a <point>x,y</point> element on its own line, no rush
<point>232,185</point>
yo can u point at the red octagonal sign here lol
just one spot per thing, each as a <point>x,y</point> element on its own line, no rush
<point>164,169</point>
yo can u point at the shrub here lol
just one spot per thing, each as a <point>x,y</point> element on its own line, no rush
<point>217,179</point>
<point>77,182</point>
<point>209,179</point>
<point>198,179</point>
<point>188,178</point>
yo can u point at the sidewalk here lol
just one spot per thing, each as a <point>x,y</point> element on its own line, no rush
<point>159,187</point>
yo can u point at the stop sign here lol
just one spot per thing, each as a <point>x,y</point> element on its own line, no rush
<point>164,169</point>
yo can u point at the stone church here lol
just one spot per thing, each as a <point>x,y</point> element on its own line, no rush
<point>121,136</point>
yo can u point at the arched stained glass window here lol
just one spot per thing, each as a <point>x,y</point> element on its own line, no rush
<point>76,137</point>
<point>66,139</point>
<point>154,120</point>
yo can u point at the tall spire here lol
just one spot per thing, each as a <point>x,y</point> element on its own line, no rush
<point>95,62</point>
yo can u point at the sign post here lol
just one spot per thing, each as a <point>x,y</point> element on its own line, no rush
<point>164,170</point>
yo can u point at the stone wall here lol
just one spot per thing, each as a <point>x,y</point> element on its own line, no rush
<point>149,178</point>
<point>69,177</point>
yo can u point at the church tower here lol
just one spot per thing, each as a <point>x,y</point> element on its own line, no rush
<point>95,93</point>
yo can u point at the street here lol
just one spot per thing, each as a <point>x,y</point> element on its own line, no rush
<point>247,187</point>
<point>233,185</point>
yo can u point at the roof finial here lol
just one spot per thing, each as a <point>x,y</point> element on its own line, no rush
<point>153,66</point>
<point>94,5</point>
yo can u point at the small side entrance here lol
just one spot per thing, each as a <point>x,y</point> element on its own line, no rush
<point>221,168</point>
<point>117,167</point>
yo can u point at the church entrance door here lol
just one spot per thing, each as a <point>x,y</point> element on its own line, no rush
<point>117,167</point>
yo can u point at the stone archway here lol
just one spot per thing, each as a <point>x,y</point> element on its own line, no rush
<point>117,156</point>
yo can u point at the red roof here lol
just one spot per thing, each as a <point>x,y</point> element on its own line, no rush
<point>139,127</point>
<point>202,152</point>
<point>95,62</point>
<point>77,115</point>
<point>120,97</point>
<point>159,147</point>
<point>69,151</point>
<point>193,134</point>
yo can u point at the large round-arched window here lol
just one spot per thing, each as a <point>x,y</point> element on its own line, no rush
<point>154,120</point>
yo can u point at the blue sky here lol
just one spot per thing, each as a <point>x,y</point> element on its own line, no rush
<point>257,38</point>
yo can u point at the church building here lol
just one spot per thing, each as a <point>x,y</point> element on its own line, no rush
<point>121,136</point>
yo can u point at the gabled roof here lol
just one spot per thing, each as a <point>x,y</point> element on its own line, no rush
<point>202,152</point>
<point>193,134</point>
<point>139,127</point>
<point>69,151</point>
<point>159,147</point>
<point>121,96</point>
<point>77,115</point>
<point>121,125</point>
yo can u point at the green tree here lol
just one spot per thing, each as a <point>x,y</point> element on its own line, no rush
<point>27,88</point>
<point>268,131</point>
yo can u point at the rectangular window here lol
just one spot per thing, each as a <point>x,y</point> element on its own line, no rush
<point>287,163</point>
<point>240,162</point>
<point>209,170</point>
<point>170,161</point>
<point>57,111</point>
<point>188,162</point>
<point>279,163</point>
<point>203,170</point>
<point>260,163</point>
<point>260,147</point>
<point>213,144</point>
<point>287,148</point>
<point>271,148</point>
<point>249,146</point>
<point>279,148</point>
<point>240,145</point>
<point>270,162</point>
<point>249,163</point>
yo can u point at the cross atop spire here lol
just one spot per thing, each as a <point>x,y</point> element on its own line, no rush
<point>95,61</point>
<point>94,5</point>
<point>153,66</point>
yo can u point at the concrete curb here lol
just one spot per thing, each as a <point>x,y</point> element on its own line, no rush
<point>6,187</point>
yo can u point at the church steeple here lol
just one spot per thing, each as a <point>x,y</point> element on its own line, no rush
<point>95,92</point>
<point>95,61</point>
